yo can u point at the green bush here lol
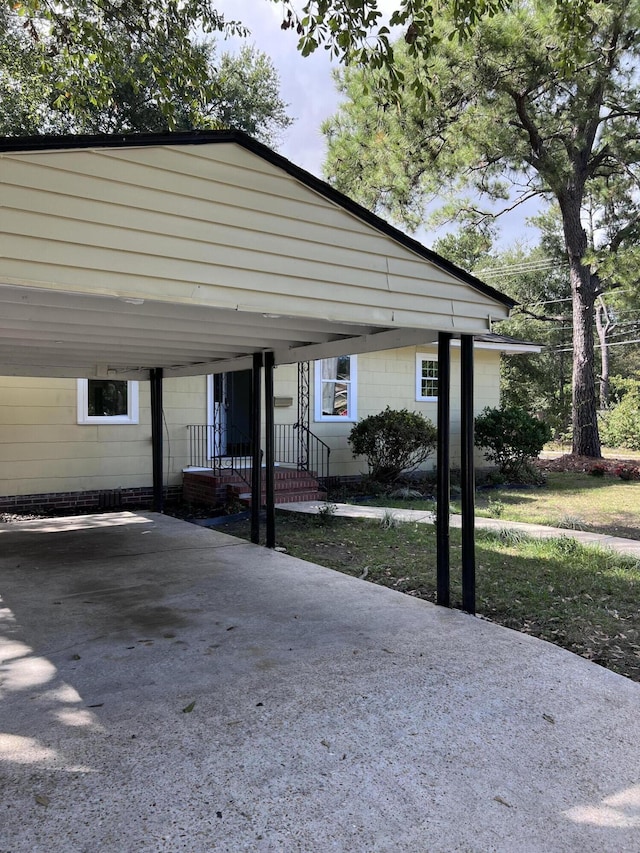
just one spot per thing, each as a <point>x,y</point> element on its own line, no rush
<point>620,427</point>
<point>511,438</point>
<point>392,442</point>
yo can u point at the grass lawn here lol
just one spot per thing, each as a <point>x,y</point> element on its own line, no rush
<point>570,500</point>
<point>582,599</point>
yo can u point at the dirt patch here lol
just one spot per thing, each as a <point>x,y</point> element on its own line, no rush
<point>570,462</point>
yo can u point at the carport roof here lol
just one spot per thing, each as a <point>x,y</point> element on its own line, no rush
<point>190,251</point>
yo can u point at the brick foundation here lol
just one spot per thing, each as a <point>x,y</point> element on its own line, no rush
<point>99,499</point>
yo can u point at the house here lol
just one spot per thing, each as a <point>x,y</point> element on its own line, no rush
<point>85,442</point>
<point>157,258</point>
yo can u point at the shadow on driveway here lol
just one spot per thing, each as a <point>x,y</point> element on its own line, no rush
<point>166,687</point>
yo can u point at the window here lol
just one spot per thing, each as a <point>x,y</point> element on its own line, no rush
<point>426,377</point>
<point>336,389</point>
<point>107,401</point>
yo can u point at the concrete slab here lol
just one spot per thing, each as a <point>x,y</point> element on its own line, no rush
<point>167,688</point>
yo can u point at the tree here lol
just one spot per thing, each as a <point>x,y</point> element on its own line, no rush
<point>74,37</point>
<point>507,121</point>
<point>241,91</point>
<point>78,42</point>
<point>358,33</point>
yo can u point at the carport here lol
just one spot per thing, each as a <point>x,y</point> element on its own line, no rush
<point>144,256</point>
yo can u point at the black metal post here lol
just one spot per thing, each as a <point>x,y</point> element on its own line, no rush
<point>256,480</point>
<point>467,474</point>
<point>269,450</point>
<point>443,470</point>
<point>155,381</point>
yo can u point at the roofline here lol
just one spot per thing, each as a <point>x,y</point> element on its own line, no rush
<point>512,348</point>
<point>205,137</point>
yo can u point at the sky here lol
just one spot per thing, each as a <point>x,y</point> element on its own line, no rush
<point>305,82</point>
<point>306,85</point>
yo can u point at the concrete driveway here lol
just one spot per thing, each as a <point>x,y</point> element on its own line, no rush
<point>169,688</point>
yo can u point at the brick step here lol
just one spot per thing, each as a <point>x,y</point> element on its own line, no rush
<point>286,497</point>
<point>299,484</point>
<point>215,489</point>
<point>295,497</point>
<point>233,477</point>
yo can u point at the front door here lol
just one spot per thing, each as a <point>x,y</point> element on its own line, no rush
<point>229,413</point>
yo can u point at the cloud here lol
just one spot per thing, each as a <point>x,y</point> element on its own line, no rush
<point>306,83</point>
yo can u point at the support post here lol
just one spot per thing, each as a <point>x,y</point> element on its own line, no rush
<point>155,381</point>
<point>467,474</point>
<point>269,450</point>
<point>443,470</point>
<point>256,461</point>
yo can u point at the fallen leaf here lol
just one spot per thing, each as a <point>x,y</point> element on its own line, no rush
<point>548,718</point>
<point>503,802</point>
<point>189,708</point>
<point>42,800</point>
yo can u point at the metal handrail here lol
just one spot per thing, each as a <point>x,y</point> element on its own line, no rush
<point>294,444</point>
<point>204,438</point>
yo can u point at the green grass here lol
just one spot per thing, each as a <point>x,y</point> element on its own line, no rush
<point>605,505</point>
<point>600,504</point>
<point>583,599</point>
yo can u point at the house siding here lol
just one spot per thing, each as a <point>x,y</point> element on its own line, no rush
<point>44,451</point>
<point>214,226</point>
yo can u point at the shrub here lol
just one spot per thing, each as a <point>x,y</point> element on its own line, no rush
<point>511,438</point>
<point>627,472</point>
<point>393,441</point>
<point>620,427</point>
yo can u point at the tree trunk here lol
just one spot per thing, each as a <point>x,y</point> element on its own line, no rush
<point>586,439</point>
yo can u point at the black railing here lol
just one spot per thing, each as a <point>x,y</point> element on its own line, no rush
<point>297,445</point>
<point>294,445</point>
<point>221,448</point>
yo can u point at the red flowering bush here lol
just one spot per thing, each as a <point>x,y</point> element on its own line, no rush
<point>627,472</point>
<point>598,470</point>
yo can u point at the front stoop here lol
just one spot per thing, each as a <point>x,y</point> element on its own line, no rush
<point>216,490</point>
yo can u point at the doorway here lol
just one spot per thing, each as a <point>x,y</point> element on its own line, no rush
<point>229,413</point>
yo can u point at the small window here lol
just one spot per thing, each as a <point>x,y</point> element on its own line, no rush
<point>336,389</point>
<point>426,377</point>
<point>107,401</point>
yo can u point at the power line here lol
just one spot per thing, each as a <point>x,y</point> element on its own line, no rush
<point>598,346</point>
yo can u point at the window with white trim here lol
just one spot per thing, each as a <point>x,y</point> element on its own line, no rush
<point>107,401</point>
<point>426,377</point>
<point>336,389</point>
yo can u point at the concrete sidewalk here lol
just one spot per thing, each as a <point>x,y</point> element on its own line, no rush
<point>629,547</point>
<point>171,688</point>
